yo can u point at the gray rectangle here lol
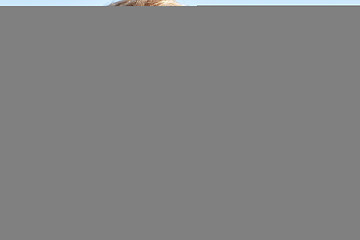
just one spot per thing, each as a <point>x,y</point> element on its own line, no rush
<point>179,123</point>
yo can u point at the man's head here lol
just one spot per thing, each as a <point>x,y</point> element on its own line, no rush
<point>146,3</point>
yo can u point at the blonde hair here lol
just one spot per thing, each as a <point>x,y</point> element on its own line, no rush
<point>146,3</point>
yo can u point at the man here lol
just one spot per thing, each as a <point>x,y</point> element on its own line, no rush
<point>146,3</point>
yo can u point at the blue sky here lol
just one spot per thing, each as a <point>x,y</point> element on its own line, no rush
<point>186,2</point>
